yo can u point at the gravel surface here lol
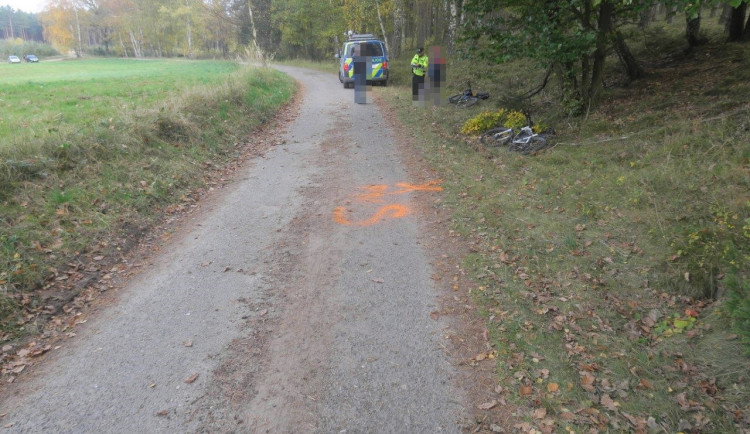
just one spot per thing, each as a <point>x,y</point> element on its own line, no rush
<point>301,299</point>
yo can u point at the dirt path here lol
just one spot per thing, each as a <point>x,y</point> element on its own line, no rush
<point>300,302</point>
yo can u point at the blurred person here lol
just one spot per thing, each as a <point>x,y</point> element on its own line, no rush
<point>360,62</point>
<point>436,74</point>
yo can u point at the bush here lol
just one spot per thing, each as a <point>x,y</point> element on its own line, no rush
<point>487,119</point>
<point>483,122</point>
<point>19,47</point>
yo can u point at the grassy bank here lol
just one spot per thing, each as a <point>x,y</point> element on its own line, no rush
<point>94,152</point>
<point>612,267</point>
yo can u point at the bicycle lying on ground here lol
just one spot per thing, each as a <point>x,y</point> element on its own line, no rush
<point>525,141</point>
<point>467,98</point>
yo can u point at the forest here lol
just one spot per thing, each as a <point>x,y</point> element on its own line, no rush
<point>570,39</point>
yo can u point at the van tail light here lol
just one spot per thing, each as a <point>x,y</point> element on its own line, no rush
<point>385,65</point>
<point>346,67</point>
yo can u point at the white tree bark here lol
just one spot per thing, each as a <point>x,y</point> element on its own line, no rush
<point>122,44</point>
<point>382,28</point>
<point>452,21</point>
<point>79,46</point>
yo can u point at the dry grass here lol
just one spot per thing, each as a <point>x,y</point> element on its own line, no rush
<point>602,263</point>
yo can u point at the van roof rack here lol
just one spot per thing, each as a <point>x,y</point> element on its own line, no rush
<point>361,37</point>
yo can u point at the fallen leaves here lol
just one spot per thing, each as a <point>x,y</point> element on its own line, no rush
<point>587,381</point>
<point>607,402</point>
<point>191,379</point>
<point>487,405</point>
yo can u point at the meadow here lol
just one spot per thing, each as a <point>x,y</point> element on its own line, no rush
<point>37,99</point>
<point>93,153</point>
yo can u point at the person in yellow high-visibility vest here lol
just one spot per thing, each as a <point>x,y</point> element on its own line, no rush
<point>418,70</point>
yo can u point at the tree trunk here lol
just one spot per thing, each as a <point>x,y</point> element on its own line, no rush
<point>136,45</point>
<point>746,33</point>
<point>424,22</point>
<point>258,50</point>
<point>122,44</point>
<point>397,39</point>
<point>633,69</point>
<point>647,16</point>
<point>189,39</point>
<point>736,23</point>
<point>726,15</point>
<point>452,23</point>
<point>79,50</point>
<point>382,28</point>
<point>604,29</point>
<point>693,29</point>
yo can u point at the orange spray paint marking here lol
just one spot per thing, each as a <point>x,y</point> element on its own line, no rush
<point>376,194</point>
<point>395,211</point>
<point>429,186</point>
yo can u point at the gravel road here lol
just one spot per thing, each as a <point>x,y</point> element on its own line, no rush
<point>301,299</point>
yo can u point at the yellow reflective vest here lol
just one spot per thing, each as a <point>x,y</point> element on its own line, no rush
<point>419,65</point>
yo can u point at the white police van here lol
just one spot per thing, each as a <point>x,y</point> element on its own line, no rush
<point>366,45</point>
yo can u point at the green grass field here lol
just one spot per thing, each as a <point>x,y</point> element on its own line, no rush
<point>93,152</point>
<point>36,99</point>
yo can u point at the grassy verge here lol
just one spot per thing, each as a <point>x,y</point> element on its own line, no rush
<point>92,174</point>
<point>329,66</point>
<point>611,266</point>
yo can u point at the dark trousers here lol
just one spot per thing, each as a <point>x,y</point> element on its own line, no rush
<point>417,82</point>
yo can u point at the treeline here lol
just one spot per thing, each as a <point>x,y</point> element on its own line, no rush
<point>19,25</point>
<point>312,29</point>
<point>283,28</point>
<point>571,39</point>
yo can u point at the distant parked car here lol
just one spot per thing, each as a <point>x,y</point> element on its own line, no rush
<point>14,59</point>
<point>31,58</point>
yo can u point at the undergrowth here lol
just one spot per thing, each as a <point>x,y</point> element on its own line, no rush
<point>613,266</point>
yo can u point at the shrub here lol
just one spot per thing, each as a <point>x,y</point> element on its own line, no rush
<point>515,120</point>
<point>483,122</point>
<point>487,119</point>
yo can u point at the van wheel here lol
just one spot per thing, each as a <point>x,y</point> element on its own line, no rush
<point>384,83</point>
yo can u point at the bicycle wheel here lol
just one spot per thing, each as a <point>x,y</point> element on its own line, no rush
<point>467,102</point>
<point>536,144</point>
<point>454,99</point>
<point>500,136</point>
